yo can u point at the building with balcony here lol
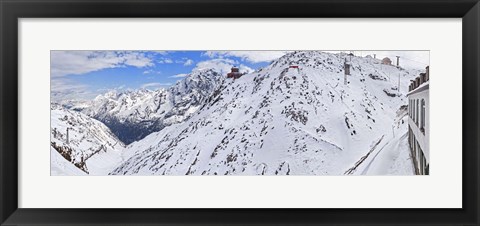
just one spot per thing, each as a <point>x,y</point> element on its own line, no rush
<point>418,122</point>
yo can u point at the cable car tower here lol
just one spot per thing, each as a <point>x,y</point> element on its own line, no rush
<point>346,69</point>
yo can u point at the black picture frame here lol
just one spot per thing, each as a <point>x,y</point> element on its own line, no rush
<point>12,10</point>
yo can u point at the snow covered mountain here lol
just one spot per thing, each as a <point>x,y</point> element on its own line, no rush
<point>132,115</point>
<point>279,120</point>
<point>81,145</point>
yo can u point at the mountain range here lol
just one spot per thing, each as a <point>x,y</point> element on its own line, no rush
<point>296,116</point>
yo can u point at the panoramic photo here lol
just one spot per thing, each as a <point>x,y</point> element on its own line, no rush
<point>342,112</point>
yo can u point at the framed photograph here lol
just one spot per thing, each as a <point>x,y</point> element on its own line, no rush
<point>227,112</point>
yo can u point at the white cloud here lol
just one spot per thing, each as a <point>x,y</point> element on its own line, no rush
<point>165,61</point>
<point>64,89</point>
<point>80,62</point>
<point>185,61</point>
<point>179,76</point>
<point>161,52</point>
<point>188,62</point>
<point>105,89</point>
<point>251,56</point>
<point>408,59</point>
<point>222,65</point>
<point>151,72</point>
<point>155,85</point>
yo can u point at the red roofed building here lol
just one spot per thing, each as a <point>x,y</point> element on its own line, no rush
<point>235,73</point>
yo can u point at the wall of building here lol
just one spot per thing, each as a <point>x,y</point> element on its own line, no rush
<point>415,134</point>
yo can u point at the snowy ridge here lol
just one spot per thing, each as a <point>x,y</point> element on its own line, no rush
<point>89,146</point>
<point>132,115</point>
<point>278,120</point>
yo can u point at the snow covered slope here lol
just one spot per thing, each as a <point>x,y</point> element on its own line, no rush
<point>59,166</point>
<point>132,115</point>
<point>89,148</point>
<point>281,121</point>
<point>390,155</point>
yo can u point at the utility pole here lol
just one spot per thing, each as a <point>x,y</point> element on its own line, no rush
<point>398,61</point>
<point>346,69</point>
<point>67,135</point>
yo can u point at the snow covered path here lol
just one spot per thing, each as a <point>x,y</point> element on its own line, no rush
<point>392,157</point>
<point>362,159</point>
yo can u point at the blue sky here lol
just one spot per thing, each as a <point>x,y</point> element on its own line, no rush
<point>85,74</point>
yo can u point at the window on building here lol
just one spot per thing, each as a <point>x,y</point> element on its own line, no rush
<point>416,112</point>
<point>410,108</point>
<point>422,124</point>
<point>413,110</point>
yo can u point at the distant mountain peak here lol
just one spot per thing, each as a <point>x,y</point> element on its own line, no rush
<point>134,114</point>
